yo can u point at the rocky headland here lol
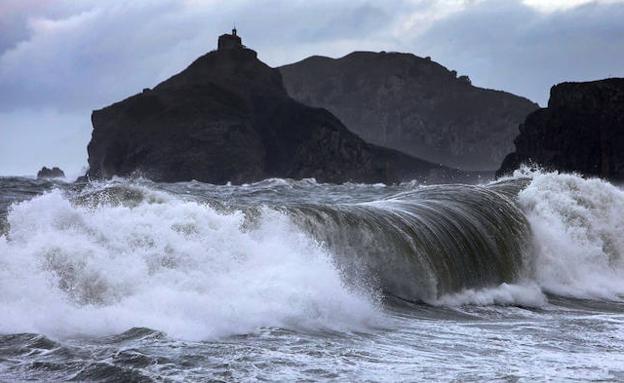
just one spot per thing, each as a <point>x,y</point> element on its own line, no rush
<point>412,104</point>
<point>581,130</point>
<point>228,118</point>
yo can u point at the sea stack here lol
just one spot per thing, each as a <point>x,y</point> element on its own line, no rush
<point>228,118</point>
<point>46,172</point>
<point>412,104</point>
<point>581,130</point>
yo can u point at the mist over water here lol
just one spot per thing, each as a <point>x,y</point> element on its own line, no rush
<point>300,280</point>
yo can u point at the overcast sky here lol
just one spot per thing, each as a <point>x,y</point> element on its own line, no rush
<point>61,59</point>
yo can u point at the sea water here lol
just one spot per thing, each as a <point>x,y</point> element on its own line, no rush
<point>282,280</point>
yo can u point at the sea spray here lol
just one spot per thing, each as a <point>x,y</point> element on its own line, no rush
<point>169,264</point>
<point>202,261</point>
<point>578,246</point>
<point>527,294</point>
<point>198,262</point>
<point>578,227</point>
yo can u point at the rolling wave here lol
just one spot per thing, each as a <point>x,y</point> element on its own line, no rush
<point>100,263</point>
<point>195,262</point>
<point>430,241</point>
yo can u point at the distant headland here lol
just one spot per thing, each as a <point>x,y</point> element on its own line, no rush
<point>229,117</point>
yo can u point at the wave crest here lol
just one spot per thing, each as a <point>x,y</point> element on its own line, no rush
<point>179,266</point>
<point>577,229</point>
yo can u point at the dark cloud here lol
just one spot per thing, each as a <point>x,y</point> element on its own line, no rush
<point>349,23</point>
<point>507,45</point>
<point>61,59</point>
<point>89,58</point>
<point>95,56</point>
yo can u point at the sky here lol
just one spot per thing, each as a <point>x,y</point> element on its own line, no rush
<point>61,59</point>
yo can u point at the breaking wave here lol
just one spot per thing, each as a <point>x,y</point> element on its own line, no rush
<point>196,265</point>
<point>577,250</point>
<point>93,265</point>
<point>578,232</point>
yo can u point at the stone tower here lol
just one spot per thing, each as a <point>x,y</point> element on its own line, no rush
<point>230,41</point>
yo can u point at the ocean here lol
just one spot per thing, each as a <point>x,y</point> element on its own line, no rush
<point>519,280</point>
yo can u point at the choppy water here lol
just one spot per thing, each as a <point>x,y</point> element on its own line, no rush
<point>520,280</point>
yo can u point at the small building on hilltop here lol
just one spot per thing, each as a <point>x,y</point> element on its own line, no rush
<point>230,41</point>
<point>233,42</point>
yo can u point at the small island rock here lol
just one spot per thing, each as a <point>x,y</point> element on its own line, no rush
<point>46,172</point>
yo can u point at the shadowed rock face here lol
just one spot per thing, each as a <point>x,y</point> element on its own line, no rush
<point>46,172</point>
<point>581,130</point>
<point>228,118</point>
<point>412,104</point>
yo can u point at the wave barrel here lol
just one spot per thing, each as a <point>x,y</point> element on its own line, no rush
<point>427,242</point>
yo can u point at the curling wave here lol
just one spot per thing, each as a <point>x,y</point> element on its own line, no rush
<point>430,241</point>
<point>202,261</point>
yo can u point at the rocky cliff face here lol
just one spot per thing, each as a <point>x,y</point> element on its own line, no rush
<point>412,104</point>
<point>581,130</point>
<point>228,118</point>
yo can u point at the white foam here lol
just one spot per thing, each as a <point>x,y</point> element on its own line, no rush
<point>578,228</point>
<point>578,232</point>
<point>168,264</point>
<point>525,294</point>
<point>182,267</point>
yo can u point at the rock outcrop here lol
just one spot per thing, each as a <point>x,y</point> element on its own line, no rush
<point>46,172</point>
<point>228,118</point>
<point>412,104</point>
<point>581,130</point>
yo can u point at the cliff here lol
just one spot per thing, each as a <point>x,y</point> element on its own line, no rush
<point>581,130</point>
<point>412,104</point>
<point>228,118</point>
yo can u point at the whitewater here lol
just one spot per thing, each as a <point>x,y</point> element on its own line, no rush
<point>521,279</point>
